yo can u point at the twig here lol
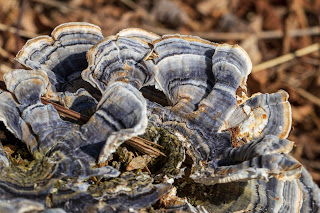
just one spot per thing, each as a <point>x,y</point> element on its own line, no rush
<point>225,36</point>
<point>63,7</point>
<point>282,59</point>
<point>287,25</point>
<point>132,5</point>
<point>66,112</point>
<point>315,119</point>
<point>5,54</point>
<point>138,143</point>
<point>314,99</point>
<point>212,36</point>
<point>23,33</point>
<point>149,142</point>
<point>313,61</point>
<point>307,95</point>
<point>147,170</point>
<point>302,19</point>
<point>140,9</point>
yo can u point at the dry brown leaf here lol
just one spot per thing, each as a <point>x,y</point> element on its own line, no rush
<point>139,162</point>
<point>171,199</point>
<point>10,45</point>
<point>28,21</point>
<point>299,113</point>
<point>261,77</point>
<point>271,18</point>
<point>9,149</point>
<point>214,8</point>
<point>169,13</point>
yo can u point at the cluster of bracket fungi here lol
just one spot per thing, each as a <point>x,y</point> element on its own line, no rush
<point>224,151</point>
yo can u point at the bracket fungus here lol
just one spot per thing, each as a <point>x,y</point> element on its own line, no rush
<point>213,136</point>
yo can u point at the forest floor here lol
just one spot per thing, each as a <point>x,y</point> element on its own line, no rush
<point>281,37</point>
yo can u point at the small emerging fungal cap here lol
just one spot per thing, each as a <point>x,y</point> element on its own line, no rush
<point>120,58</point>
<point>261,115</point>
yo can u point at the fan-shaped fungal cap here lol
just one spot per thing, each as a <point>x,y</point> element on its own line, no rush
<point>230,65</point>
<point>261,115</point>
<point>119,58</point>
<point>183,69</point>
<point>28,86</point>
<point>10,116</point>
<point>122,109</point>
<point>205,85</point>
<point>62,56</point>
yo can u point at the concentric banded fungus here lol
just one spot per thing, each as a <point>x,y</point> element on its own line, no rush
<point>120,58</point>
<point>62,56</point>
<point>215,138</point>
<point>261,115</point>
<point>183,70</point>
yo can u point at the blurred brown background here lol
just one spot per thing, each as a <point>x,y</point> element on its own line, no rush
<point>266,29</point>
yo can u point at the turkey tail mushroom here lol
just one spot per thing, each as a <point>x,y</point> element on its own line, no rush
<point>63,55</point>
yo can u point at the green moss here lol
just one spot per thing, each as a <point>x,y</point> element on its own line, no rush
<point>128,182</point>
<point>172,148</point>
